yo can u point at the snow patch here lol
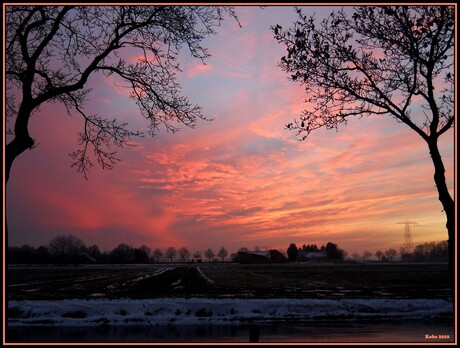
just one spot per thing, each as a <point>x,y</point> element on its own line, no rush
<point>210,281</point>
<point>94,312</point>
<point>138,279</point>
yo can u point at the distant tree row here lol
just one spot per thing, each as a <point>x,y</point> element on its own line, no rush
<point>331,250</point>
<point>430,251</point>
<point>387,255</point>
<point>70,249</point>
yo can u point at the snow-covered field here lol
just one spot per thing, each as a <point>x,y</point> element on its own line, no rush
<point>191,311</point>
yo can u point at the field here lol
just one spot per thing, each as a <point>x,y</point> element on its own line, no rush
<point>160,302</point>
<point>392,280</point>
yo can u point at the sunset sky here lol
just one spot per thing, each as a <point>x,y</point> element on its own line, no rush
<point>242,180</point>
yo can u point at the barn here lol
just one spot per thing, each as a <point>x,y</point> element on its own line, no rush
<point>271,256</point>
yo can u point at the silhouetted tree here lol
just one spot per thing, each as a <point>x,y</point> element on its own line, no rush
<point>431,251</point>
<point>184,254</point>
<point>384,60</point>
<point>142,254</point>
<point>379,254</point>
<point>21,254</point>
<point>292,252</point>
<point>94,252</point>
<point>66,248</point>
<point>157,255</point>
<point>405,254</point>
<point>27,254</point>
<point>209,254</point>
<point>52,51</point>
<point>42,254</point>
<point>123,253</point>
<point>440,251</point>
<point>390,254</point>
<point>355,255</point>
<point>197,255</point>
<point>334,252</point>
<point>367,255</point>
<point>310,248</point>
<point>222,253</point>
<point>171,253</point>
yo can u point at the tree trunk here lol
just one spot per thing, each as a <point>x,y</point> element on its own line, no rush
<point>7,271</point>
<point>22,139</point>
<point>21,142</point>
<point>16,147</point>
<point>447,204</point>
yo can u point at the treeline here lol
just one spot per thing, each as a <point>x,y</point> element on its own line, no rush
<point>384,256</point>
<point>431,251</point>
<point>70,249</point>
<point>330,251</point>
<point>428,252</point>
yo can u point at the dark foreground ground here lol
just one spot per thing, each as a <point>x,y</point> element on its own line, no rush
<point>346,280</point>
<point>229,280</point>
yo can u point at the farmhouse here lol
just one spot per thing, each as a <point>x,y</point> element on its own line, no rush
<point>271,256</point>
<point>313,255</point>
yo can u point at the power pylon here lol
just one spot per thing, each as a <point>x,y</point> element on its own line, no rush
<point>407,234</point>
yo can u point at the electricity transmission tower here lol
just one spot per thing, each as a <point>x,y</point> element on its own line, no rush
<point>407,234</point>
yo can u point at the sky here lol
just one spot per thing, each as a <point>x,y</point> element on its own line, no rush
<point>241,180</point>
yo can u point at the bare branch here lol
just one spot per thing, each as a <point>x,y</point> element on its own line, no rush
<point>99,134</point>
<point>373,64</point>
<point>53,50</point>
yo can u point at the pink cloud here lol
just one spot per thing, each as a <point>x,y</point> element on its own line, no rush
<point>198,69</point>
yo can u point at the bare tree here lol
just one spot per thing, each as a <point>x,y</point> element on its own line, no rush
<point>367,255</point>
<point>292,252</point>
<point>142,254</point>
<point>123,253</point>
<point>222,253</point>
<point>184,254</point>
<point>355,256</point>
<point>51,52</point>
<point>157,254</point>
<point>197,255</point>
<point>209,254</point>
<point>396,61</point>
<point>66,248</point>
<point>171,253</point>
<point>391,253</point>
<point>93,252</point>
<point>379,254</point>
